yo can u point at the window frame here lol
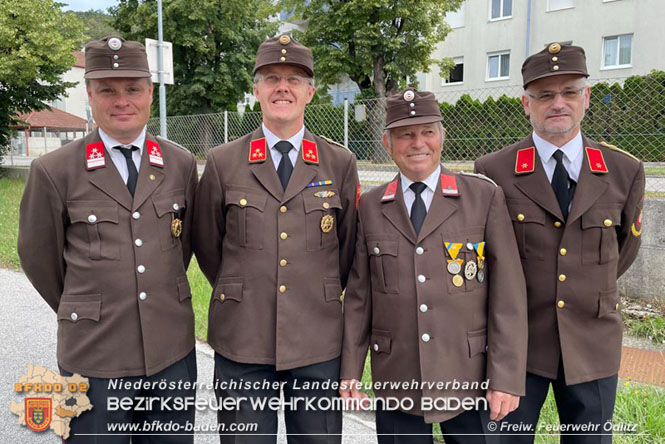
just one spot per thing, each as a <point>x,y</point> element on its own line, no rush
<point>549,8</point>
<point>446,83</point>
<point>500,17</point>
<point>487,66</point>
<point>604,67</point>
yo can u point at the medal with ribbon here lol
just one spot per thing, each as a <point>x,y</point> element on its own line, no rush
<point>454,264</point>
<point>480,252</point>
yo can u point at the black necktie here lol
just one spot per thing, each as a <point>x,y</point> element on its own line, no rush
<point>563,187</point>
<point>131,167</point>
<point>418,210</point>
<point>285,167</point>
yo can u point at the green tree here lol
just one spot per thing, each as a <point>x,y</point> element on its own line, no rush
<point>214,47</point>
<point>36,43</point>
<point>97,22</point>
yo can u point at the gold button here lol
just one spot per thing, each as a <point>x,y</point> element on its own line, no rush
<point>326,205</point>
<point>282,288</point>
<point>283,262</point>
<point>557,224</point>
<point>560,304</point>
<point>607,222</point>
<point>555,59</point>
<point>555,67</point>
<point>222,296</point>
<point>520,217</point>
<point>243,202</point>
<point>562,277</point>
<point>152,177</point>
<point>563,252</point>
<point>616,307</point>
<point>282,209</point>
<point>283,236</point>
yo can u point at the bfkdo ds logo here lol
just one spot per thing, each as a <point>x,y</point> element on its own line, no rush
<point>38,413</point>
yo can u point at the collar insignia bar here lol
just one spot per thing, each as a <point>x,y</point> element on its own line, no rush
<point>310,152</point>
<point>258,150</point>
<point>526,161</point>
<point>449,185</point>
<point>596,160</point>
<point>94,156</point>
<point>154,153</point>
<point>391,189</point>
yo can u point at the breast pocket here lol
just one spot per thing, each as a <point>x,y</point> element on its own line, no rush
<point>599,234</point>
<point>472,271</point>
<point>245,218</point>
<point>384,268</point>
<point>529,225</point>
<point>169,207</point>
<point>100,219</point>
<point>321,219</point>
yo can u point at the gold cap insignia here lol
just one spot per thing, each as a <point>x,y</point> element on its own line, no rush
<point>554,48</point>
<point>284,39</point>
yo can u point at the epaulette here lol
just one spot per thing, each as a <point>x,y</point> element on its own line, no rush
<point>615,148</point>
<point>332,142</point>
<point>479,176</point>
<point>162,139</point>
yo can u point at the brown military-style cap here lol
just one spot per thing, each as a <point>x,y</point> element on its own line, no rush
<point>554,60</point>
<point>286,51</point>
<point>115,57</point>
<point>411,107</point>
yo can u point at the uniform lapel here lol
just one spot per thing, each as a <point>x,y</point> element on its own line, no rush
<point>265,171</point>
<point>589,188</point>
<point>395,211</point>
<point>144,186</point>
<point>441,208</point>
<point>302,173</point>
<point>107,179</point>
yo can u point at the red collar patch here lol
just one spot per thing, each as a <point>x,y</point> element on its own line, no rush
<point>390,192</point>
<point>258,151</point>
<point>154,153</point>
<point>596,160</point>
<point>310,152</point>
<point>526,161</point>
<point>94,156</point>
<point>449,185</point>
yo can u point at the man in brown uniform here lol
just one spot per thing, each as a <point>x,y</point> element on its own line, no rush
<point>576,207</point>
<point>104,236</point>
<point>275,231</point>
<point>436,290</point>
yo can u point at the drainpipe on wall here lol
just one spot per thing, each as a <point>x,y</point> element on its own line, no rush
<point>528,28</point>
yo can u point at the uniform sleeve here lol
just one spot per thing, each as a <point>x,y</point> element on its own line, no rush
<point>209,222</point>
<point>41,235</point>
<point>190,195</point>
<point>357,312</point>
<point>507,317</point>
<point>479,168</point>
<point>629,236</point>
<point>346,225</point>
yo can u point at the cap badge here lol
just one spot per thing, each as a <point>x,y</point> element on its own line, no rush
<point>284,39</point>
<point>409,95</point>
<point>115,43</point>
<point>554,48</point>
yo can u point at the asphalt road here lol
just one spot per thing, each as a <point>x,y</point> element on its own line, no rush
<point>28,332</point>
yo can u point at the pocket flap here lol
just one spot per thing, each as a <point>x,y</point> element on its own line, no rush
<point>184,292</point>
<point>527,214</point>
<point>381,247</point>
<point>477,340</point>
<point>314,203</point>
<point>103,211</point>
<point>246,199</point>
<point>332,289</point>
<point>74,308</point>
<point>608,302</point>
<point>601,217</point>
<point>168,202</point>
<point>229,289</point>
<point>380,341</point>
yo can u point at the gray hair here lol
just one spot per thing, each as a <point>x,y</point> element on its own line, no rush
<point>386,132</point>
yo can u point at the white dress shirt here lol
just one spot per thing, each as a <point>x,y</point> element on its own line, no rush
<point>295,140</point>
<point>572,155</point>
<point>118,158</point>
<point>428,193</point>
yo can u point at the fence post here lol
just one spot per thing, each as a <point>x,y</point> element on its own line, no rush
<point>346,123</point>
<point>45,142</point>
<point>226,127</point>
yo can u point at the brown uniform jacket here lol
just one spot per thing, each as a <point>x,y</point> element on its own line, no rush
<point>277,277</point>
<point>81,241</point>
<point>571,268</point>
<point>400,290</point>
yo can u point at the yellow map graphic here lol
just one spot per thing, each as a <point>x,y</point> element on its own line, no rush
<point>66,404</point>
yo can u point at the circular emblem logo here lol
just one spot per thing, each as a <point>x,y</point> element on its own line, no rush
<point>115,43</point>
<point>285,39</point>
<point>409,95</point>
<point>554,48</point>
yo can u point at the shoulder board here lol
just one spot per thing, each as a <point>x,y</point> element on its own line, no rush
<point>162,139</point>
<point>615,148</point>
<point>479,176</point>
<point>332,142</point>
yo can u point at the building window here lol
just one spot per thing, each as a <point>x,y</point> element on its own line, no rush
<point>555,5</point>
<point>456,18</point>
<point>455,75</point>
<point>498,66</point>
<point>501,9</point>
<point>617,51</point>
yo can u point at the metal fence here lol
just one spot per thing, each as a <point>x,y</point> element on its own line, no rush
<point>627,113</point>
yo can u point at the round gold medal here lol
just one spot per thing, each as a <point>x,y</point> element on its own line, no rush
<point>458,281</point>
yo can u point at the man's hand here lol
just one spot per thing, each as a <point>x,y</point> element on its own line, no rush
<point>501,403</point>
<point>348,389</point>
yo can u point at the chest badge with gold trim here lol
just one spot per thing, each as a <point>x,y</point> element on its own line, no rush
<point>176,226</point>
<point>327,223</point>
<point>324,194</point>
<point>258,150</point>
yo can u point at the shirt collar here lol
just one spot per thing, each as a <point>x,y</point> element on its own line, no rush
<point>110,142</point>
<point>571,150</point>
<point>272,139</point>
<point>431,181</point>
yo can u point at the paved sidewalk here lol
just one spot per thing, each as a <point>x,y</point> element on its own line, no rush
<point>642,366</point>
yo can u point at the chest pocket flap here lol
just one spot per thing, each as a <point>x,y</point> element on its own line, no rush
<point>168,202</point>
<point>245,199</point>
<point>82,210</point>
<point>315,203</point>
